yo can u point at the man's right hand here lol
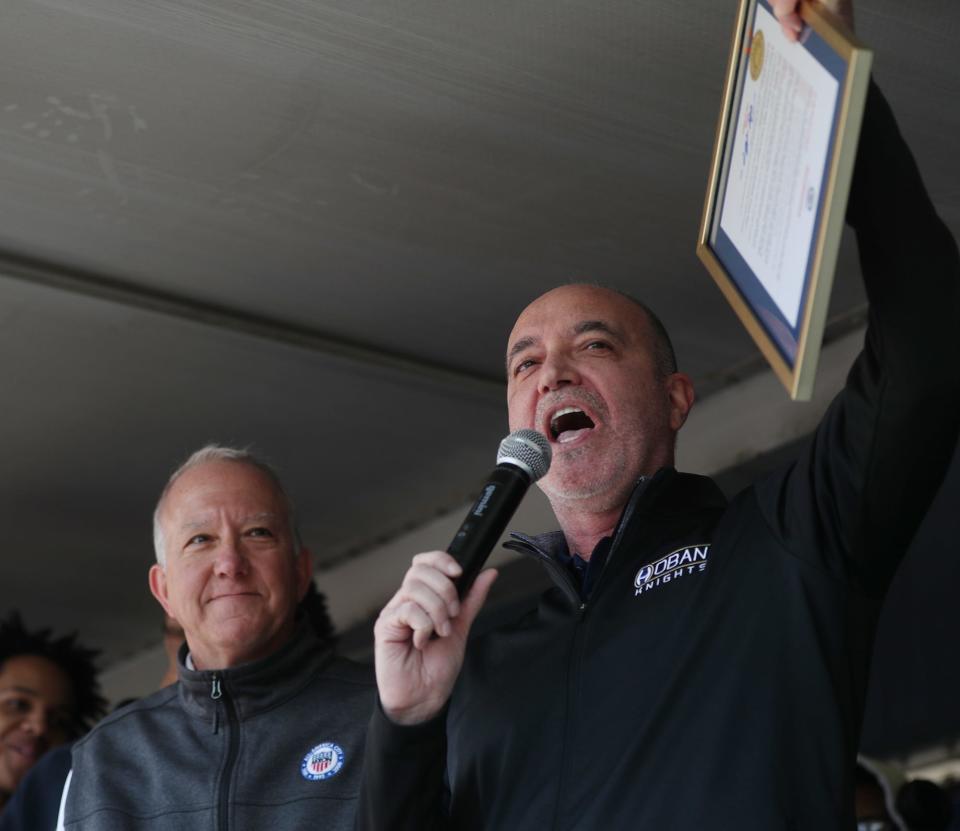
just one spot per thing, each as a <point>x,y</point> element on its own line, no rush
<point>415,671</point>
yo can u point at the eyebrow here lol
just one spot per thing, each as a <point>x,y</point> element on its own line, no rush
<point>598,326</point>
<point>62,710</point>
<point>518,347</point>
<point>580,328</point>
<point>199,523</point>
<point>19,689</point>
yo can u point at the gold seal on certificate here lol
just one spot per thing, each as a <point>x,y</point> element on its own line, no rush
<point>781,171</point>
<point>756,56</point>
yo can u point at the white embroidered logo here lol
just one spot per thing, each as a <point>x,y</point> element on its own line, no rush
<point>691,559</point>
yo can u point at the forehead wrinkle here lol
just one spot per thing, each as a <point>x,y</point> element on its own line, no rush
<point>261,515</point>
<point>192,524</point>
<point>199,522</point>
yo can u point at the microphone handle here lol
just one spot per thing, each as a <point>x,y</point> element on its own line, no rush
<point>486,521</point>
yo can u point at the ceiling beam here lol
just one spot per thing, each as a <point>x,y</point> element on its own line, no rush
<point>237,321</point>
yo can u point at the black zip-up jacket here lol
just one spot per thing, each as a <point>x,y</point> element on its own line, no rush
<point>273,744</point>
<point>715,678</point>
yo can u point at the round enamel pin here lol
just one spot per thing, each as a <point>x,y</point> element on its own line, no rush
<point>322,762</point>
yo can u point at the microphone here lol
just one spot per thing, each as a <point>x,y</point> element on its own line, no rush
<point>523,458</point>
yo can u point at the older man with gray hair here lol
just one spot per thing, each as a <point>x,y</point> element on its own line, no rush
<point>265,726</point>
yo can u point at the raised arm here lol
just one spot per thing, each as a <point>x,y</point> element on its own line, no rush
<point>855,498</point>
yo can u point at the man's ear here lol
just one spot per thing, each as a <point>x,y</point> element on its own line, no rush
<point>681,395</point>
<point>157,579</point>
<point>304,566</point>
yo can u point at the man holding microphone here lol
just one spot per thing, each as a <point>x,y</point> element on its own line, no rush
<point>698,664</point>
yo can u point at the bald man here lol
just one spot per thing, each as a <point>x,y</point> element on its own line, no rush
<point>698,664</point>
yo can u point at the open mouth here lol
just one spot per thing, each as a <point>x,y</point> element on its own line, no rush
<point>568,423</point>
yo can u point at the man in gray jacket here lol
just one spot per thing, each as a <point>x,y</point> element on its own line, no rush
<point>265,727</point>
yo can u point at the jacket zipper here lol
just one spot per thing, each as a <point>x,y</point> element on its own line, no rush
<point>233,744</point>
<point>573,674</point>
<point>565,582</point>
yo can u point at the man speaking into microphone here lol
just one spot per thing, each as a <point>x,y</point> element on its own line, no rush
<point>698,664</point>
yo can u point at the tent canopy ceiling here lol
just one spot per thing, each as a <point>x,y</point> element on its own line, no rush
<point>309,226</point>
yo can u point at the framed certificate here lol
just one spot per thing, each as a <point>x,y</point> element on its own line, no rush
<point>779,180</point>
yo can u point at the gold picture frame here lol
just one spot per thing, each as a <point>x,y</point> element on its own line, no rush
<point>785,317</point>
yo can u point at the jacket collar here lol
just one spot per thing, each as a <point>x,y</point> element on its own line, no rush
<point>259,685</point>
<point>670,492</point>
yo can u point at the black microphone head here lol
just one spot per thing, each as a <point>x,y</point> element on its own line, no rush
<point>528,450</point>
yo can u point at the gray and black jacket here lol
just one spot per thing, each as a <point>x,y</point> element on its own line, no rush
<point>274,744</point>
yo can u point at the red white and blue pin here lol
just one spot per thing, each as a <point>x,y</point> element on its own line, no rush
<point>322,762</point>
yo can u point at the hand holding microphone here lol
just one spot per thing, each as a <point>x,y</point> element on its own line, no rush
<point>442,593</point>
<point>523,458</point>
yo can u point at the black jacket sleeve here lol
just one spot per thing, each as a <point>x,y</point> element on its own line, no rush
<point>854,499</point>
<point>35,803</point>
<point>403,776</point>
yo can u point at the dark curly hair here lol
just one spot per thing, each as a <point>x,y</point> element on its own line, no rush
<point>76,662</point>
